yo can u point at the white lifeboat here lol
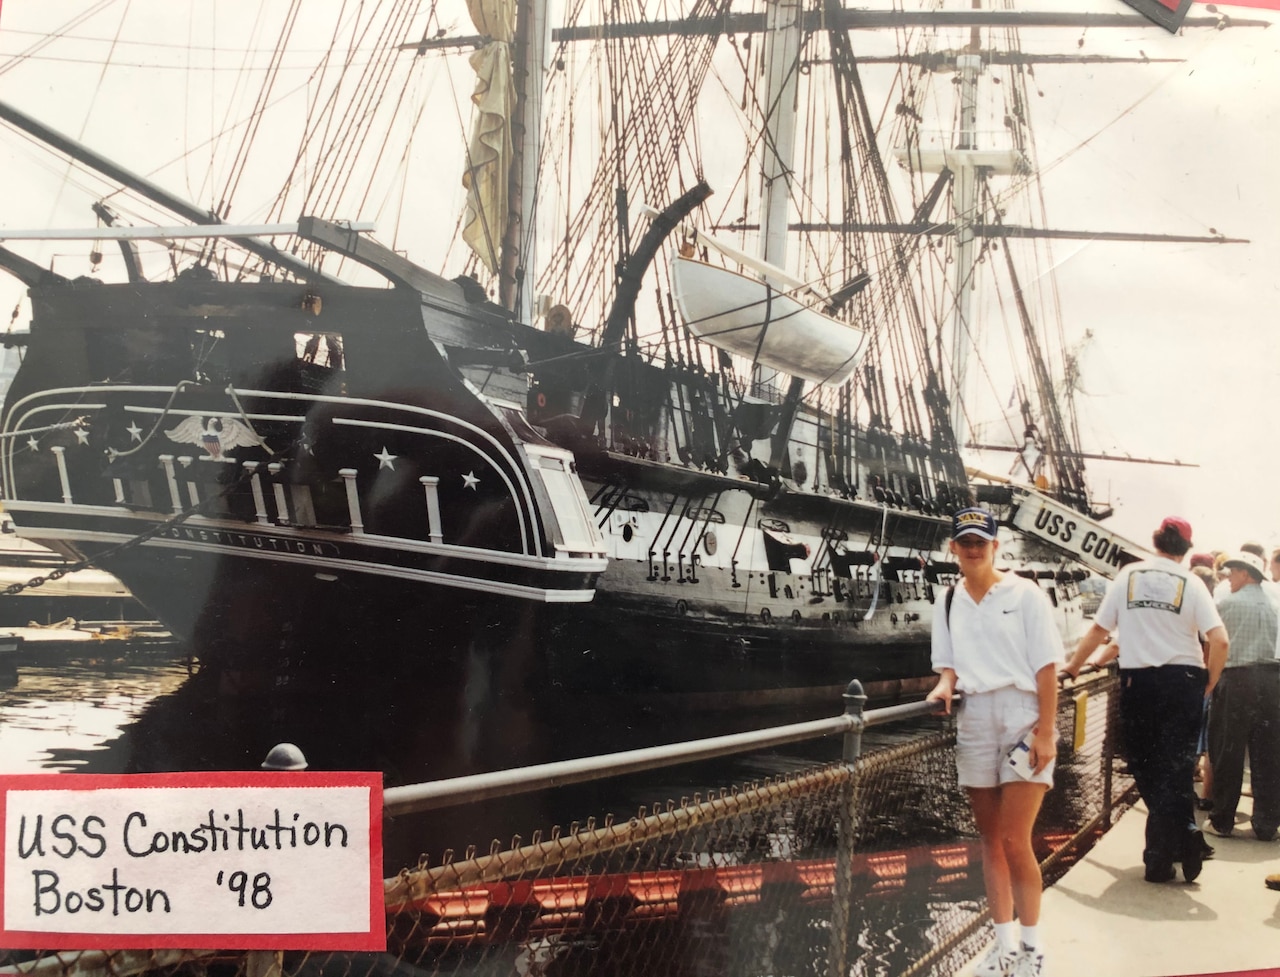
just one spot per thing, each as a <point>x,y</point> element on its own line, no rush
<point>731,311</point>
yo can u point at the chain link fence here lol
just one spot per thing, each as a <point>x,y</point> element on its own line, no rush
<point>762,879</point>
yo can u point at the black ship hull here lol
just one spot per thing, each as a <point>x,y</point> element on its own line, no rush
<point>328,477</point>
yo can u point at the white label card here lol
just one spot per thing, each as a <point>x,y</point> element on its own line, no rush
<point>216,861</point>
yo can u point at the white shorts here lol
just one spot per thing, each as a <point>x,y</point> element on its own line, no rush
<point>987,728</point>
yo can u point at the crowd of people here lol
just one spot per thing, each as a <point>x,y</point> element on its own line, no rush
<point>1232,653</point>
<point>1198,648</point>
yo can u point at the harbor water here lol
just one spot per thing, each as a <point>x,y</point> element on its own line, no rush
<point>154,711</point>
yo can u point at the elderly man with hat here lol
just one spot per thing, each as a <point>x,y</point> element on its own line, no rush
<point>1161,609</point>
<point>1244,714</point>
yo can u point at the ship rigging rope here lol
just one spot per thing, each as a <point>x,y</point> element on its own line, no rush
<point>343,127</point>
<point>373,85</point>
<point>178,388</point>
<point>56,35</point>
<point>79,422</point>
<point>901,317</point>
<point>102,74</point>
<point>1027,336</point>
<point>652,111</point>
<point>232,104</point>
<point>342,137</point>
<point>240,162</point>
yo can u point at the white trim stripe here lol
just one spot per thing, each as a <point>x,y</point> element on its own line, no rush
<point>135,409</point>
<point>452,580</point>
<point>294,534</point>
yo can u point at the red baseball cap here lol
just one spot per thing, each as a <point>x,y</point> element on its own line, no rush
<point>1181,525</point>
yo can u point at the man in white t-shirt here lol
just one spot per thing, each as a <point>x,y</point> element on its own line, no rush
<point>1163,609</point>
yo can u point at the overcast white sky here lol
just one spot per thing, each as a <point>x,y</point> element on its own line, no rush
<point>1185,355</point>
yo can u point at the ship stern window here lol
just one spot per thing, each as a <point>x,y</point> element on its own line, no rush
<point>323,349</point>
<point>303,363</point>
<point>568,502</point>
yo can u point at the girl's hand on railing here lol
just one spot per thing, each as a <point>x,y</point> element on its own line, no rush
<point>943,692</point>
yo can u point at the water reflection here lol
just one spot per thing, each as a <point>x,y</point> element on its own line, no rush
<point>62,716</point>
<point>152,714</point>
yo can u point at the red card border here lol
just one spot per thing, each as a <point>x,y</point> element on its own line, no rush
<point>375,938</point>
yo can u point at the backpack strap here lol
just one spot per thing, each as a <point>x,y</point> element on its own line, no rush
<point>951,596</point>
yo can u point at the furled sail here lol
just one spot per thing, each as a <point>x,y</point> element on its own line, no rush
<point>751,318</point>
<point>489,152</point>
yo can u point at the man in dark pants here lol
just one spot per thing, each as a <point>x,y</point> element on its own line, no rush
<point>1160,746</point>
<point>1245,713</point>
<point>1161,609</point>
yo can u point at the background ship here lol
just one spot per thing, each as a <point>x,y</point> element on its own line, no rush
<point>724,473</point>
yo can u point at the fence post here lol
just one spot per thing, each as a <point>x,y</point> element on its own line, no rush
<point>854,702</point>
<point>270,963</point>
<point>1108,752</point>
<point>263,963</point>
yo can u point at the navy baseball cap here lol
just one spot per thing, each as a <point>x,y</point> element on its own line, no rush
<point>973,522</point>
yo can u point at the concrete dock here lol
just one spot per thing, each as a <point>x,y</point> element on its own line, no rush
<point>1102,919</point>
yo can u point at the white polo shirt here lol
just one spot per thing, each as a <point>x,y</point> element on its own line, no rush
<point>1003,641</point>
<point>1162,608</point>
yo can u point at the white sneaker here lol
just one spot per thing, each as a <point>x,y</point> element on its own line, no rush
<point>1030,964</point>
<point>996,963</point>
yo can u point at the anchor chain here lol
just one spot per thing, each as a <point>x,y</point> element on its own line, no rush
<point>174,520</point>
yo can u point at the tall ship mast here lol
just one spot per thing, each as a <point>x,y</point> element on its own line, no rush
<point>693,418</point>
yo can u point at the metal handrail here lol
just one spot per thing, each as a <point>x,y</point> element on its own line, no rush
<point>436,794</point>
<point>414,798</point>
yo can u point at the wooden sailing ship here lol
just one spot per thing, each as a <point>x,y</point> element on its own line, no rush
<point>696,472</point>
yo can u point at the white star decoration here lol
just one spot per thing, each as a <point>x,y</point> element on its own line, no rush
<point>386,459</point>
<point>135,432</point>
<point>470,481</point>
<point>33,444</point>
<point>82,436</point>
